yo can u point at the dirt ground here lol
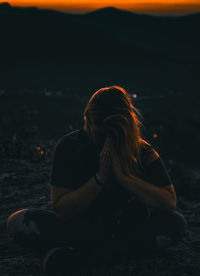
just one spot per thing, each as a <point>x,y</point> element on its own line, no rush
<point>25,184</point>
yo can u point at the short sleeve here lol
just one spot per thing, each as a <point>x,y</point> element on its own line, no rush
<point>156,173</point>
<point>63,172</point>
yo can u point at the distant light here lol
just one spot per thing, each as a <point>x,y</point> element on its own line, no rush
<point>48,93</point>
<point>38,148</point>
<point>2,92</point>
<point>59,93</point>
<point>2,148</point>
<point>155,135</point>
<point>70,127</point>
<point>134,96</point>
<point>14,137</point>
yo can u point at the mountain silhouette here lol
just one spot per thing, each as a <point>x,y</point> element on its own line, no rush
<point>108,39</point>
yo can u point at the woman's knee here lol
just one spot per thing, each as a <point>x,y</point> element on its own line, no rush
<point>14,219</point>
<point>179,225</point>
<point>175,225</point>
<point>170,223</point>
<point>32,226</point>
<point>31,220</point>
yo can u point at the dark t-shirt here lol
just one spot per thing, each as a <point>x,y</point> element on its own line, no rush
<point>76,160</point>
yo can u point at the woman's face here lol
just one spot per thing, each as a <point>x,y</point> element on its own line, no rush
<point>98,134</point>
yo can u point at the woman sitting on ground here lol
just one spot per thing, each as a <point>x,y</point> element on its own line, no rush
<point>110,190</point>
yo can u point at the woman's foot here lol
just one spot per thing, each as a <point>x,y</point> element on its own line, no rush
<point>61,260</point>
<point>162,242</point>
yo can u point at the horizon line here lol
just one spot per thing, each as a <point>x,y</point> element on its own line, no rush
<point>166,9</point>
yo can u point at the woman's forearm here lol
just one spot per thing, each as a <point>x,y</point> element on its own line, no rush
<point>149,193</point>
<point>73,203</point>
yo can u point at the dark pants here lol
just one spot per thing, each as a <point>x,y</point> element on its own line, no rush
<point>41,230</point>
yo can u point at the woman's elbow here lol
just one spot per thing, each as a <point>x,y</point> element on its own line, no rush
<point>171,205</point>
<point>58,210</point>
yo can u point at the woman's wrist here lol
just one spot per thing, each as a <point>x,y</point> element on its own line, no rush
<point>103,177</point>
<point>99,179</point>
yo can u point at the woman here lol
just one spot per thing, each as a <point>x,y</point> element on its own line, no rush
<point>110,191</point>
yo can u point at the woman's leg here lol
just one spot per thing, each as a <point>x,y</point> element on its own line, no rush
<point>122,236</point>
<point>41,230</point>
<point>35,228</point>
<point>159,230</point>
<point>171,225</point>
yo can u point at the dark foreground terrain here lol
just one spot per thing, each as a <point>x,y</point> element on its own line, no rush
<point>28,122</point>
<point>51,64</point>
<point>25,184</point>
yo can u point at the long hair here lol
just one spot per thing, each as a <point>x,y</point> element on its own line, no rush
<point>112,109</point>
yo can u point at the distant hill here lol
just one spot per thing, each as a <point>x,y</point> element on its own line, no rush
<point>43,47</point>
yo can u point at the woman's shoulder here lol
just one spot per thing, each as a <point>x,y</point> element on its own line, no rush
<point>69,138</point>
<point>146,147</point>
<point>68,142</point>
<point>148,153</point>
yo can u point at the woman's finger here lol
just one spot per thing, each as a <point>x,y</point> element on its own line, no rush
<point>108,140</point>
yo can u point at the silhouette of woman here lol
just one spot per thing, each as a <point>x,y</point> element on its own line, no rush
<point>110,192</point>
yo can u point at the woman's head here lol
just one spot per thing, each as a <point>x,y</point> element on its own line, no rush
<point>110,112</point>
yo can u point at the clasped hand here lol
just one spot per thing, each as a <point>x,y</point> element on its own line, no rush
<point>110,161</point>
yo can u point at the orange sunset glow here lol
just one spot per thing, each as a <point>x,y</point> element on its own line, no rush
<point>139,6</point>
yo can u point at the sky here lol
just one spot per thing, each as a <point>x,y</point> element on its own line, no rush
<point>140,6</point>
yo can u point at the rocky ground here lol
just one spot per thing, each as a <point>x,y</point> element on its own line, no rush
<point>25,184</point>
